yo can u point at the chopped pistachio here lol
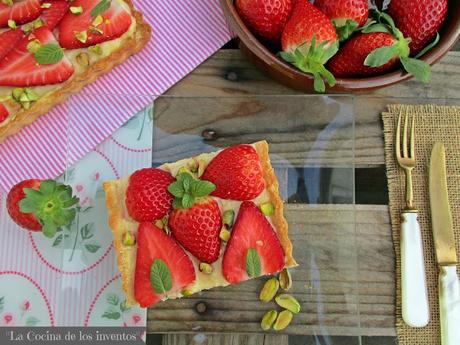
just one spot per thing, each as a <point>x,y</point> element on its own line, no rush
<point>46,5</point>
<point>96,30</point>
<point>228,217</point>
<point>26,105</point>
<point>33,46</point>
<point>82,59</point>
<point>38,23</point>
<point>12,24</point>
<point>96,49</point>
<point>159,224</point>
<point>76,10</point>
<point>17,92</point>
<point>224,234</point>
<point>25,97</point>
<point>205,268</point>
<point>129,239</point>
<point>267,208</point>
<point>31,95</point>
<point>82,36</point>
<point>8,2</point>
<point>186,293</point>
<point>97,21</point>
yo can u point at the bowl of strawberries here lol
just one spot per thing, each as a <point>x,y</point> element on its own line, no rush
<point>344,45</point>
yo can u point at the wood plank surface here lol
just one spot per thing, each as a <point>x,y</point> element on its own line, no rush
<point>225,339</point>
<point>344,282</point>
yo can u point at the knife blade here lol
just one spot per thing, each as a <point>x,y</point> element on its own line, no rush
<point>441,216</point>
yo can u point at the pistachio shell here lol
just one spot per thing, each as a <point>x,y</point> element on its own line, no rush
<point>288,302</point>
<point>268,319</point>
<point>285,279</point>
<point>269,290</point>
<point>283,320</point>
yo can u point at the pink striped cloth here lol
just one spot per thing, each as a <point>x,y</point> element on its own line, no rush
<point>185,33</point>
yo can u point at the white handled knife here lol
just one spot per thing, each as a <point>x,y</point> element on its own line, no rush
<point>444,240</point>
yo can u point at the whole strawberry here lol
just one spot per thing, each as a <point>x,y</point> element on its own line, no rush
<point>309,39</point>
<point>419,20</point>
<point>38,205</point>
<point>347,15</point>
<point>265,18</point>
<point>147,196</point>
<point>196,220</point>
<point>236,172</point>
<point>349,61</point>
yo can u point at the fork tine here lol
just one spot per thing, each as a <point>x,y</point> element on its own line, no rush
<point>398,137</point>
<point>412,138</point>
<point>406,120</point>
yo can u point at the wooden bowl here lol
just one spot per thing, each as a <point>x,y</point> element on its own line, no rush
<point>288,75</point>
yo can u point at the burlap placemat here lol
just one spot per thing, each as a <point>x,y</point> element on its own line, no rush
<point>433,123</point>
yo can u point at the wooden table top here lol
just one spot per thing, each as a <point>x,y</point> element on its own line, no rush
<point>367,308</point>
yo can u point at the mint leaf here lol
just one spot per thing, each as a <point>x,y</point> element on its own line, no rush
<point>100,8</point>
<point>253,266</point>
<point>111,314</point>
<point>112,299</point>
<point>202,188</point>
<point>176,189</point>
<point>418,68</point>
<point>92,247</point>
<point>381,56</point>
<point>177,203</point>
<point>184,176</point>
<point>49,54</point>
<point>160,277</point>
<point>187,201</point>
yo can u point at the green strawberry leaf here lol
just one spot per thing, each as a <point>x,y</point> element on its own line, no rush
<point>318,83</point>
<point>429,46</point>
<point>381,56</point>
<point>346,30</point>
<point>202,188</point>
<point>49,54</point>
<point>100,8</point>
<point>288,57</point>
<point>418,68</point>
<point>112,299</point>
<point>378,27</point>
<point>49,229</point>
<point>253,266</point>
<point>160,277</point>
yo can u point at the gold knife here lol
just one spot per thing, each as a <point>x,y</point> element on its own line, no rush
<point>444,241</point>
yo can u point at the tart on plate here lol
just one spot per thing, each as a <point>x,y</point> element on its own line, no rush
<point>211,220</point>
<point>50,49</point>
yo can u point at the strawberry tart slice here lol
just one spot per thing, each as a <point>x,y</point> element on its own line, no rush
<point>50,49</point>
<point>211,220</point>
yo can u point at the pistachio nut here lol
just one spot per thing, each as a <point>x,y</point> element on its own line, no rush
<point>268,319</point>
<point>12,24</point>
<point>267,208</point>
<point>25,97</point>
<point>159,223</point>
<point>76,9</point>
<point>283,320</point>
<point>269,290</point>
<point>46,5</point>
<point>205,268</point>
<point>285,279</point>
<point>33,46</point>
<point>186,293</point>
<point>96,49</point>
<point>288,302</point>
<point>129,239</point>
<point>83,59</point>
<point>224,234</point>
<point>228,217</point>
<point>82,36</point>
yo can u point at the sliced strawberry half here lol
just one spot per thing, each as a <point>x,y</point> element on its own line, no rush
<point>115,22</point>
<point>153,246</point>
<point>53,15</point>
<point>21,12</point>
<point>251,232</point>
<point>8,40</point>
<point>20,68</point>
<point>3,113</point>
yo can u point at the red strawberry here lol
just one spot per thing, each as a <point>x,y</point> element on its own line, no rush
<point>153,245</point>
<point>54,14</point>
<point>237,173</point>
<point>147,197</point>
<point>349,61</point>
<point>347,15</point>
<point>419,20</point>
<point>3,113</point>
<point>251,231</point>
<point>309,39</point>
<point>265,18</point>
<point>26,220</point>
<point>21,12</point>
<point>20,68</point>
<point>116,21</point>
<point>8,40</point>
<point>197,229</point>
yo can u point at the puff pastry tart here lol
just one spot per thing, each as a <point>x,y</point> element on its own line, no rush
<point>50,49</point>
<point>211,220</point>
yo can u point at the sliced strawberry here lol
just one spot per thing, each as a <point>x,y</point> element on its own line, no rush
<point>8,40</point>
<point>237,173</point>
<point>153,244</point>
<point>20,68</point>
<point>3,113</point>
<point>197,229</point>
<point>54,14</point>
<point>21,12</point>
<point>26,220</point>
<point>116,21</point>
<point>251,231</point>
<point>147,196</point>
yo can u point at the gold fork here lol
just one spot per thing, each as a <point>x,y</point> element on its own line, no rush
<point>414,295</point>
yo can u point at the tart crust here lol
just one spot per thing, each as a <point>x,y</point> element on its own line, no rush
<point>119,220</point>
<point>25,117</point>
